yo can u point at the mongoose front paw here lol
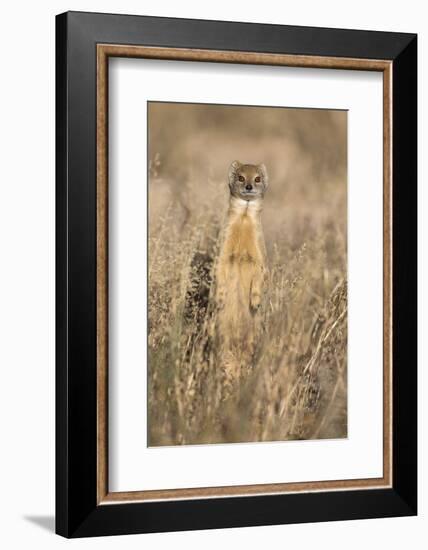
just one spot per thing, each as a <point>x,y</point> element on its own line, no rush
<point>220,301</point>
<point>255,303</point>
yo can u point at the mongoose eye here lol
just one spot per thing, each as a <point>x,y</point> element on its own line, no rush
<point>241,178</point>
<point>257,179</point>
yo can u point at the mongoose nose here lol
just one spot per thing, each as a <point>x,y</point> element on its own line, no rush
<point>248,187</point>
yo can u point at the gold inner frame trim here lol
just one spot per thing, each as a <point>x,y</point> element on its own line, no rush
<point>104,51</point>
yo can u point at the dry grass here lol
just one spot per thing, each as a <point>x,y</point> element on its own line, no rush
<point>296,385</point>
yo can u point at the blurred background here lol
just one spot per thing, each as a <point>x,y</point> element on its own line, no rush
<point>305,151</point>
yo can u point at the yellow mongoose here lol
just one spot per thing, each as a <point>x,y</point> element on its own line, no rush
<point>241,269</point>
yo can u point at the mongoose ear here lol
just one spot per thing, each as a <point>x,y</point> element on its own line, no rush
<point>264,173</point>
<point>232,170</point>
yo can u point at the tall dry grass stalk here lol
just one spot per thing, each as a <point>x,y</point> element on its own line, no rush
<point>295,386</point>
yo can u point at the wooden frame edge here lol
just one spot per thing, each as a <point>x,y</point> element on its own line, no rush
<point>241,57</point>
<point>387,274</point>
<point>103,52</point>
<point>102,274</point>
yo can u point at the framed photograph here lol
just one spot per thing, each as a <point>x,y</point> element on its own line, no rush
<point>236,274</point>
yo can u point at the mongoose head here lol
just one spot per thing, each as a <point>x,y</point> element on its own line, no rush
<point>247,181</point>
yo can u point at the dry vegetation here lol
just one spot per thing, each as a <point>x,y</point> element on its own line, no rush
<point>296,385</point>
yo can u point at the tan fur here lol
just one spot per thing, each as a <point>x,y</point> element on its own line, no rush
<point>241,271</point>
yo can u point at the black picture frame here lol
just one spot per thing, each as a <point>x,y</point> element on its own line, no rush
<point>77,511</point>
